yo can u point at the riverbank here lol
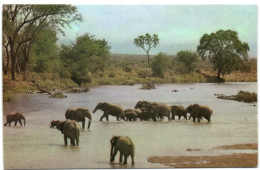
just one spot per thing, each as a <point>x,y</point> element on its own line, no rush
<point>241,160</point>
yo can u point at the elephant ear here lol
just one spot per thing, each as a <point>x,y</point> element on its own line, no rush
<point>196,108</point>
<point>60,126</point>
<point>114,140</point>
<point>80,112</point>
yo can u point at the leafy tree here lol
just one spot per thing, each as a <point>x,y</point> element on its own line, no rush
<point>87,55</point>
<point>224,50</point>
<point>160,64</point>
<point>22,23</point>
<point>188,59</point>
<point>147,42</point>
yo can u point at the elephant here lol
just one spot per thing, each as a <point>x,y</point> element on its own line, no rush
<point>16,116</point>
<point>79,115</point>
<point>197,111</point>
<point>70,129</point>
<point>130,115</point>
<point>153,110</point>
<point>139,113</point>
<point>110,109</point>
<point>54,123</point>
<point>124,145</point>
<point>178,111</point>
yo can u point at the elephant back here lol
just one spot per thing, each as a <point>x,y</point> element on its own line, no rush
<point>71,128</point>
<point>114,109</point>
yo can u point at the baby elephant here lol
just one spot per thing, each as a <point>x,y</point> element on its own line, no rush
<point>14,117</point>
<point>178,111</point>
<point>197,111</point>
<point>70,129</point>
<point>124,145</point>
<point>54,123</point>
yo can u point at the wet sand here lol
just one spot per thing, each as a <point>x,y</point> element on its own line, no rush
<point>236,160</point>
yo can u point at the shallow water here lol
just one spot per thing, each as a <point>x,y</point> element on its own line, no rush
<point>36,146</point>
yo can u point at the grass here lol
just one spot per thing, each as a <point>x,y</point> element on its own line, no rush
<point>246,96</point>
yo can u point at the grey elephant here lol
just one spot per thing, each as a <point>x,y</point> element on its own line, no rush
<point>79,115</point>
<point>125,146</point>
<point>110,109</point>
<point>130,115</point>
<point>15,117</point>
<point>154,110</point>
<point>139,113</point>
<point>198,111</point>
<point>54,123</point>
<point>178,111</point>
<point>70,129</point>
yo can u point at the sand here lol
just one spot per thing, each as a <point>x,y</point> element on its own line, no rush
<point>243,160</point>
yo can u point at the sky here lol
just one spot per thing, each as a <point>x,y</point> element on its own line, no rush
<point>179,27</point>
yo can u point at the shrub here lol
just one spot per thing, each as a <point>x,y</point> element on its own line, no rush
<point>58,95</point>
<point>127,69</point>
<point>246,96</point>
<point>160,64</point>
<point>188,60</point>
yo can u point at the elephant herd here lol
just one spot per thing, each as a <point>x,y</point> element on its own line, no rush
<point>144,110</point>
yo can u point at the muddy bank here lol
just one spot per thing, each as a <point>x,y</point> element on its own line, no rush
<point>243,160</point>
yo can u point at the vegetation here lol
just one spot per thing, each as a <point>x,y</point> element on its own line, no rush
<point>224,50</point>
<point>147,42</point>
<point>58,95</point>
<point>23,24</point>
<point>241,96</point>
<point>31,54</point>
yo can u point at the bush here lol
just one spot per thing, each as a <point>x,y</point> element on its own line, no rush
<point>127,69</point>
<point>160,64</point>
<point>112,75</point>
<point>246,96</point>
<point>58,95</point>
<point>188,60</point>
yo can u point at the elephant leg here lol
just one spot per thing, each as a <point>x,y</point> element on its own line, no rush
<point>132,157</point>
<point>117,118</point>
<point>65,140</point>
<point>77,141</point>
<point>5,123</point>
<point>173,117</point>
<point>194,119</point>
<point>72,141</point>
<point>83,124</point>
<point>9,123</point>
<point>20,122</point>
<point>102,117</point>
<point>179,117</point>
<point>107,118</point>
<point>198,119</point>
<point>121,157</point>
<point>113,155</point>
<point>15,123</point>
<point>125,160</point>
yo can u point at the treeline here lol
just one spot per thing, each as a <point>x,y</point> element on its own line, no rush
<point>30,46</point>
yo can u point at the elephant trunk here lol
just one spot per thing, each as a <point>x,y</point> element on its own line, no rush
<point>111,152</point>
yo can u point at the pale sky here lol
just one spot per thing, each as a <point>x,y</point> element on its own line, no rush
<point>179,27</point>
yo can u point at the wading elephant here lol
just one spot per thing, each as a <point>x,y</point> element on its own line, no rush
<point>154,110</point>
<point>197,111</point>
<point>79,115</point>
<point>110,109</point>
<point>125,146</point>
<point>139,113</point>
<point>54,123</point>
<point>178,111</point>
<point>70,129</point>
<point>130,115</point>
<point>14,117</point>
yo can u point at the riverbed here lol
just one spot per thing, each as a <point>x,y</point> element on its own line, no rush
<point>37,146</point>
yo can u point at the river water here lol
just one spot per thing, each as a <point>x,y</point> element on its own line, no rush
<point>36,146</point>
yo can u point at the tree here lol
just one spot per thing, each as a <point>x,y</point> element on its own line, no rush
<point>147,42</point>
<point>160,64</point>
<point>29,20</point>
<point>188,59</point>
<point>87,55</point>
<point>224,50</point>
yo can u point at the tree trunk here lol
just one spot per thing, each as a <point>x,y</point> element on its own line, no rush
<point>17,66</point>
<point>25,70</point>
<point>13,66</point>
<point>7,65</point>
<point>148,59</point>
<point>219,72</point>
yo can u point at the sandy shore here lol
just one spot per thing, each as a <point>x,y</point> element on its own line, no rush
<point>222,161</point>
